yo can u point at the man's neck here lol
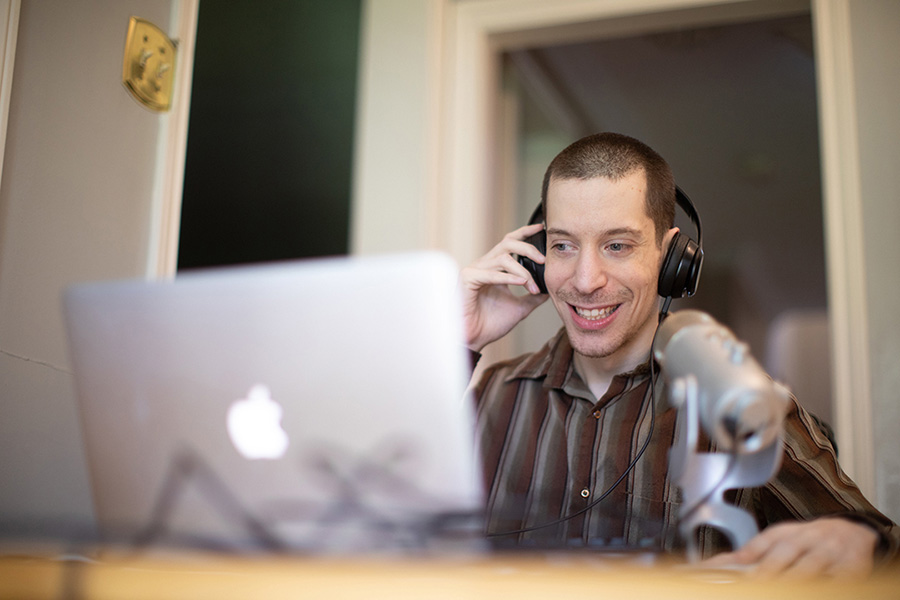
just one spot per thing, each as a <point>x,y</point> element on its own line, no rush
<point>598,372</point>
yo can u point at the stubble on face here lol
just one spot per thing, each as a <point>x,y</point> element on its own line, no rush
<point>613,317</point>
<point>596,344</point>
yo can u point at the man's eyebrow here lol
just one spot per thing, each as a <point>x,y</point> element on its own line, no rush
<point>615,232</point>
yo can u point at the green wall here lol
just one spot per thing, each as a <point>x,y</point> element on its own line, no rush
<point>270,142</point>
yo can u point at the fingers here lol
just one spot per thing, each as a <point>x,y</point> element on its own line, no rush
<point>518,245</point>
<point>834,547</point>
<point>772,556</point>
<point>474,278</point>
<point>490,308</point>
<point>500,265</point>
<point>514,243</point>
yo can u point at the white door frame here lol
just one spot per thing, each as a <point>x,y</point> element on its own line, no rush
<point>477,31</point>
<point>9,28</point>
<point>165,226</point>
<point>162,256</point>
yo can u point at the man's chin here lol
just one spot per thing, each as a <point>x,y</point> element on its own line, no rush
<point>594,353</point>
<point>589,346</point>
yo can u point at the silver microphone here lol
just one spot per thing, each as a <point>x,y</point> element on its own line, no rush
<point>740,406</point>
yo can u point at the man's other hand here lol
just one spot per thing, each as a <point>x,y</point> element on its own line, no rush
<point>824,547</point>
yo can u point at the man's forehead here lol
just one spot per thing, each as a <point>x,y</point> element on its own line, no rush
<point>635,179</point>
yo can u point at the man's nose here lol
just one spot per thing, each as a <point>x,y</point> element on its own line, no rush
<point>590,273</point>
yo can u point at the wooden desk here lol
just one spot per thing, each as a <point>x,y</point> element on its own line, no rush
<point>575,576</point>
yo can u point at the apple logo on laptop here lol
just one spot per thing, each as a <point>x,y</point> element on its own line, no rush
<point>254,425</point>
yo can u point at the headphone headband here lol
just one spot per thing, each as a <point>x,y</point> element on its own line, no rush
<point>684,201</point>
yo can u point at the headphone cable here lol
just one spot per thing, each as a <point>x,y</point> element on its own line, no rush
<point>628,469</point>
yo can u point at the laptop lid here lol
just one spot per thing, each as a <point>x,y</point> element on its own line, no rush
<point>308,405</point>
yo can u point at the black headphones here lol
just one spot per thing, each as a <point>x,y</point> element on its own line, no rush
<point>680,270</point>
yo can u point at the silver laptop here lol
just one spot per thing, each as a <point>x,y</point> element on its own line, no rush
<point>313,405</point>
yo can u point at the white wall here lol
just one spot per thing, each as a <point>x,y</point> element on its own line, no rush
<point>875,27</point>
<point>76,203</point>
<point>395,153</point>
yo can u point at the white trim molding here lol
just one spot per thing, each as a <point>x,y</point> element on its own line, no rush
<point>845,256</point>
<point>162,257</point>
<point>9,28</point>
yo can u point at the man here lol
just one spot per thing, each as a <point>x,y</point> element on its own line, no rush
<point>575,449</point>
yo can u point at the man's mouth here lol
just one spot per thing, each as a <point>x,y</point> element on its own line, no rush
<point>595,314</point>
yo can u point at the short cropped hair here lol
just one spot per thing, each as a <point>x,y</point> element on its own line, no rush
<point>614,156</point>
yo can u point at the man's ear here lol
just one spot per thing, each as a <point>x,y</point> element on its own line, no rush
<point>664,246</point>
<point>679,269</point>
<point>667,241</point>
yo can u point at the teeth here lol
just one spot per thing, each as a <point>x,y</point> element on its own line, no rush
<point>595,313</point>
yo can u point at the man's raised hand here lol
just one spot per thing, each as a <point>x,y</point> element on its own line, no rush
<point>490,307</point>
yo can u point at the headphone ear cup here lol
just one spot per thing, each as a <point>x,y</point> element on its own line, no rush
<point>539,241</point>
<point>680,270</point>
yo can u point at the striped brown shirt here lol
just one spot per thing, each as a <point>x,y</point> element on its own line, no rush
<point>549,449</point>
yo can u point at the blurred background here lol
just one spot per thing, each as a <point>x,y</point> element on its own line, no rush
<point>303,129</point>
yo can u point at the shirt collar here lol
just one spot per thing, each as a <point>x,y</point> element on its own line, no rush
<point>554,363</point>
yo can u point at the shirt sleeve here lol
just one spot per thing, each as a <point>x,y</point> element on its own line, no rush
<point>811,484</point>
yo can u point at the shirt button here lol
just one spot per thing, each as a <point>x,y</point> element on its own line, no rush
<point>585,493</point>
<point>597,414</point>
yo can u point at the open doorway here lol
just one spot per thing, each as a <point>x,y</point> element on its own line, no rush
<point>272,124</point>
<point>733,109</point>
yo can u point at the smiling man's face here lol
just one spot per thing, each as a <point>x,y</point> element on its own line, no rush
<point>603,265</point>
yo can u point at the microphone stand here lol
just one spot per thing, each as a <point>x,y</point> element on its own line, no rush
<point>704,477</point>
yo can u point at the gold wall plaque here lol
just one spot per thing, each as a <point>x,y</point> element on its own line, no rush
<point>148,70</point>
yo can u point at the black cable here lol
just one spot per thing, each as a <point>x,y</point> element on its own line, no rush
<point>353,477</point>
<point>663,314</point>
<point>187,466</point>
<point>631,465</point>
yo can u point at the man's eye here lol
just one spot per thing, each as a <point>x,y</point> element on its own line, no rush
<point>618,247</point>
<point>561,247</point>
